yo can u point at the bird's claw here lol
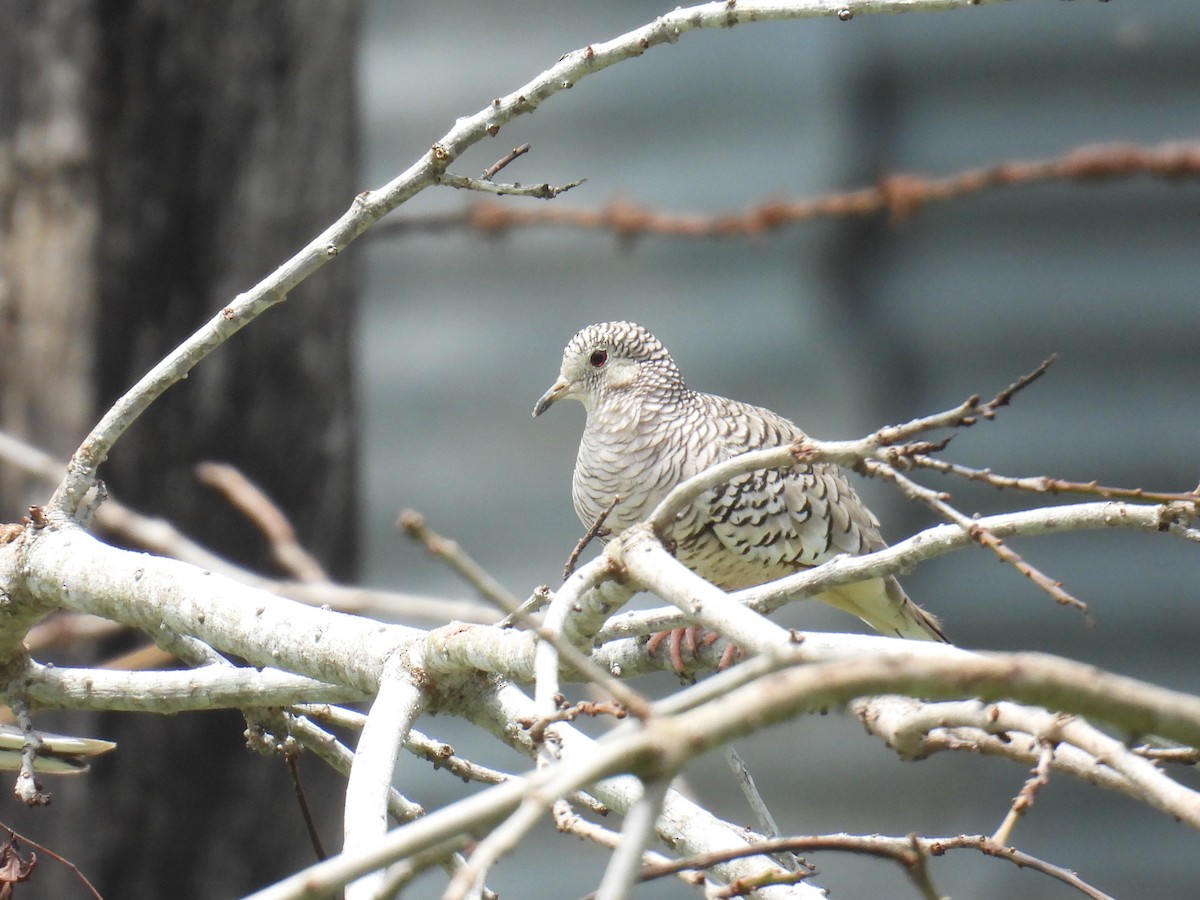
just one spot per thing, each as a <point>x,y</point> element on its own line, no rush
<point>683,645</point>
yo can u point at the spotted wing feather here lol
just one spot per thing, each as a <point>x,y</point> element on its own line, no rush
<point>774,522</point>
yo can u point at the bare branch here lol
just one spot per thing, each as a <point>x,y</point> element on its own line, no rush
<point>762,812</point>
<point>151,593</point>
<point>398,702</point>
<point>250,500</point>
<point>594,531</point>
<point>1025,860</point>
<point>1005,396</point>
<point>1041,484</point>
<point>879,446</point>
<point>568,821</point>
<point>62,861</point>
<point>162,538</point>
<point>909,851</point>
<point>942,539</point>
<point>623,866</point>
<point>176,690</point>
<point>1023,802</point>
<point>491,171</point>
<point>978,533</point>
<point>538,191</point>
<point>413,524</point>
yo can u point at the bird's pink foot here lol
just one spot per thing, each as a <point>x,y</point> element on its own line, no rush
<point>684,643</point>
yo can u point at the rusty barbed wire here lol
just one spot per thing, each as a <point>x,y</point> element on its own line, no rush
<point>900,196</point>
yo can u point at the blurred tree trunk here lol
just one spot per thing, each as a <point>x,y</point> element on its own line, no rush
<point>49,211</point>
<point>155,160</point>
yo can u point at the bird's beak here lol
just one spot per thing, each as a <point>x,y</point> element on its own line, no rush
<point>557,391</point>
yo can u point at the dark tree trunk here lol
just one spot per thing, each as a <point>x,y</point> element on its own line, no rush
<point>225,138</point>
<point>156,159</point>
<point>49,215</point>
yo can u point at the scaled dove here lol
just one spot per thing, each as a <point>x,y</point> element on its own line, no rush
<point>647,431</point>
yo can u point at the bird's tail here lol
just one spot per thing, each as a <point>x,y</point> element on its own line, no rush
<point>883,605</point>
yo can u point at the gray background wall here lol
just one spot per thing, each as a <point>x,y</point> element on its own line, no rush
<point>844,326</point>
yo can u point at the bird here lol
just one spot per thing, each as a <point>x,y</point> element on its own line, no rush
<point>647,431</point>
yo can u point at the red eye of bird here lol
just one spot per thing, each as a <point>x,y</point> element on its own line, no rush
<point>599,358</point>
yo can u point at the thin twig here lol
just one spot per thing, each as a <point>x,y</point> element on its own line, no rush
<point>534,603</point>
<point>1041,484</point>
<point>1005,396</point>
<point>569,713</point>
<point>747,886</point>
<point>63,861</point>
<point>490,172</point>
<point>966,413</point>
<point>539,191</point>
<point>252,502</point>
<point>625,863</point>
<point>1184,756</point>
<point>981,535</point>
<point>413,524</point>
<point>908,851</point>
<point>1025,860</point>
<point>292,759</point>
<point>593,532</point>
<point>439,753</point>
<point>762,813</point>
<point>567,821</point>
<point>339,757</point>
<point>29,786</point>
<point>919,872</point>
<point>1039,777</point>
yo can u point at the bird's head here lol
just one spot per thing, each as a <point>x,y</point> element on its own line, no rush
<point>608,362</point>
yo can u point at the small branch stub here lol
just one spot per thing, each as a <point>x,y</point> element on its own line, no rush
<point>440,157</point>
<point>490,172</point>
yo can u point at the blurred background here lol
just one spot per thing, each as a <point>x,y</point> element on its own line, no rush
<point>422,396</point>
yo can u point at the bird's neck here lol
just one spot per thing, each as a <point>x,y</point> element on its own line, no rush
<point>625,411</point>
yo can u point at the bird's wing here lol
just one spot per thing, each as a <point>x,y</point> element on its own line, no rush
<point>776,521</point>
<point>795,517</point>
